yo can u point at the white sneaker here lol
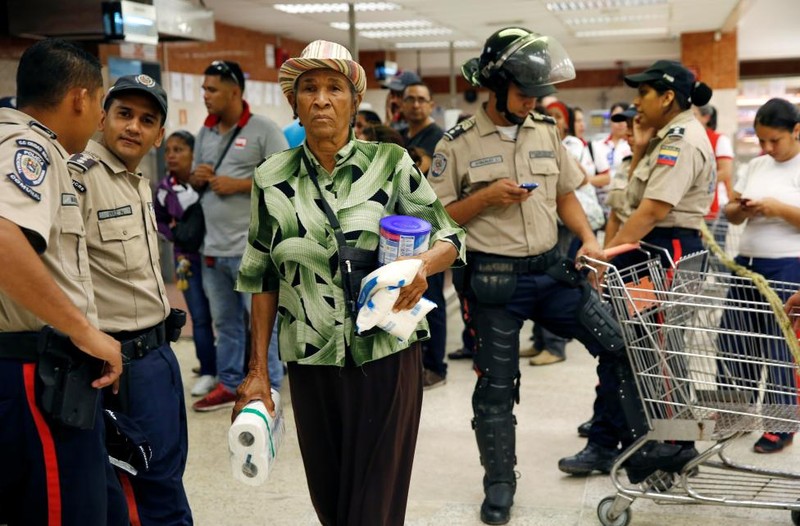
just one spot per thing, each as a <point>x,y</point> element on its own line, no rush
<point>204,385</point>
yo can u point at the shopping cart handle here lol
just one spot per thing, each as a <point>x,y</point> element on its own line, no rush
<point>620,249</point>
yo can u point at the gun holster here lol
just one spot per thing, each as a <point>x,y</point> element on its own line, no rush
<point>174,323</point>
<point>67,374</point>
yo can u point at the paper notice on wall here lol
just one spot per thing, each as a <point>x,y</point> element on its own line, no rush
<point>255,93</point>
<point>175,87</point>
<point>188,87</point>
<point>269,54</point>
<point>268,94</point>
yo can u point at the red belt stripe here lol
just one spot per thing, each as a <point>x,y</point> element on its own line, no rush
<point>127,489</point>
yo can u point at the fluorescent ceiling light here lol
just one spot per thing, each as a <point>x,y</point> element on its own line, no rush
<point>607,19</point>
<point>406,33</point>
<point>631,32</point>
<point>299,9</point>
<point>588,5</point>
<point>367,26</point>
<point>437,44</point>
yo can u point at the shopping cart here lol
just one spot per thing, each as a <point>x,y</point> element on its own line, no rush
<point>710,361</point>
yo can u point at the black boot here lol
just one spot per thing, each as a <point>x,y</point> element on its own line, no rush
<point>591,458</point>
<point>656,456</point>
<point>496,507</point>
<point>584,428</point>
<point>496,441</point>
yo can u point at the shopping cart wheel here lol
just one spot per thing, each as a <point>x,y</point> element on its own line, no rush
<point>604,513</point>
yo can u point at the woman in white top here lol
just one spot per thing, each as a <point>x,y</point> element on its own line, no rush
<point>768,198</point>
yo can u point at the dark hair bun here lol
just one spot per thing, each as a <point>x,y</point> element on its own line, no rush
<point>701,94</point>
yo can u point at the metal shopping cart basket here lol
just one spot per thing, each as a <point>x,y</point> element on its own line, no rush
<point>711,362</point>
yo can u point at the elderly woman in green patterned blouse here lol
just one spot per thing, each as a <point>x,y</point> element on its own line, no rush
<point>356,399</point>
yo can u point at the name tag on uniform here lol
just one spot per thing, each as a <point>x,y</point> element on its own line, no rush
<point>116,212</point>
<point>497,159</point>
<point>240,143</point>
<point>69,200</point>
<point>542,154</point>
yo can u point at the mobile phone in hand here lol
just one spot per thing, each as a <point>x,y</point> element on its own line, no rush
<point>529,186</point>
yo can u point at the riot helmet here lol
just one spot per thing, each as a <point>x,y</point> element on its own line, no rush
<point>518,55</point>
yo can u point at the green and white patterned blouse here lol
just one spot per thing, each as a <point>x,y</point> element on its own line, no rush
<point>292,249</point>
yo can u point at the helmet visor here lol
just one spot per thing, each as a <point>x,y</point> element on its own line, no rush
<point>535,60</point>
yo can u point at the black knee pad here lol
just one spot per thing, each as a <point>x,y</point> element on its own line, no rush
<point>498,342</point>
<point>598,319</point>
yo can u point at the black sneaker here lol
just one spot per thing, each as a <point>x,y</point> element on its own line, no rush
<point>773,442</point>
<point>658,456</point>
<point>591,458</point>
<point>461,354</point>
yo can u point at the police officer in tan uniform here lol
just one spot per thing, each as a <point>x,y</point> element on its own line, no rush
<point>121,232</point>
<point>52,466</point>
<point>505,176</point>
<point>670,188</point>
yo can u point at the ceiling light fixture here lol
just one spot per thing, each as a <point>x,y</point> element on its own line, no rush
<point>406,33</point>
<point>631,32</point>
<point>367,26</point>
<point>606,19</point>
<point>588,5</point>
<point>302,9</point>
<point>437,44</point>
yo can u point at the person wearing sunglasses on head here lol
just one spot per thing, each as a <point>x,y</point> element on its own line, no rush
<point>231,143</point>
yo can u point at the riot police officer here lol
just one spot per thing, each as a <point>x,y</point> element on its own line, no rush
<point>505,176</point>
<point>53,464</point>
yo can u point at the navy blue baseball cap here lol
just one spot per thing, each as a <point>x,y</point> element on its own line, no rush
<point>142,83</point>
<point>670,72</point>
<point>629,113</point>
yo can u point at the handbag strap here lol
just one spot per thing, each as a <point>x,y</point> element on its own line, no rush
<point>227,147</point>
<point>337,228</point>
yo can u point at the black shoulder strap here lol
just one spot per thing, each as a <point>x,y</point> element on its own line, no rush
<point>227,147</point>
<point>591,149</point>
<point>337,229</point>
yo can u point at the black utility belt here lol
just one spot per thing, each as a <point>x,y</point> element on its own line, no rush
<point>137,344</point>
<point>494,264</point>
<point>22,346</point>
<point>673,232</point>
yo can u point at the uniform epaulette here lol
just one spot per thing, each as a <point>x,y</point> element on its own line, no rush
<point>459,128</point>
<point>82,161</point>
<point>542,118</point>
<point>41,129</point>
<point>676,131</point>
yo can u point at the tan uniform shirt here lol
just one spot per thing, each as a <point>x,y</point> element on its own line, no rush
<point>474,154</point>
<point>678,168</point>
<point>121,234</point>
<point>36,194</point>
<point>617,200</point>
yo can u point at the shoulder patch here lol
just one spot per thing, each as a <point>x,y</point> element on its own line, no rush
<point>78,186</point>
<point>30,169</point>
<point>438,164</point>
<point>459,128</point>
<point>538,117</point>
<point>668,155</point>
<point>676,131</point>
<point>82,162</point>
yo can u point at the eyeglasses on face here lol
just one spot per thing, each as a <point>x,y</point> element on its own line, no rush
<point>225,70</point>
<point>415,100</point>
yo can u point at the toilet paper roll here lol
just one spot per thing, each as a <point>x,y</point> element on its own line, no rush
<point>254,439</point>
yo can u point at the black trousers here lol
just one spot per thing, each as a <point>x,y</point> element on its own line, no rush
<point>357,428</point>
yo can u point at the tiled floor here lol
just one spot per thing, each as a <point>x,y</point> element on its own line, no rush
<point>446,483</point>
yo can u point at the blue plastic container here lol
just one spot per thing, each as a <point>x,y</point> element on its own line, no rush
<point>402,236</point>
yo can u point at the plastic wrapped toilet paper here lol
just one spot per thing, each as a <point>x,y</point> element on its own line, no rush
<point>379,292</point>
<point>254,439</point>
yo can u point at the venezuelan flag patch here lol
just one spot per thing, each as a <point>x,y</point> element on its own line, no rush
<point>668,155</point>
